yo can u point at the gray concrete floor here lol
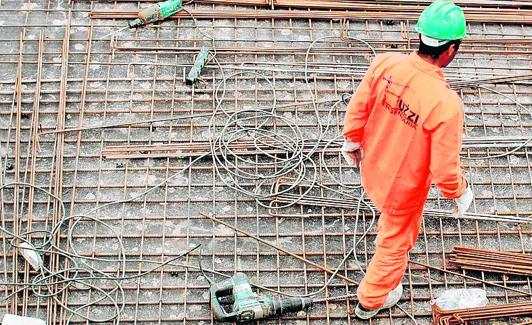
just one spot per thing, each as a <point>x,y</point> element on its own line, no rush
<point>83,82</point>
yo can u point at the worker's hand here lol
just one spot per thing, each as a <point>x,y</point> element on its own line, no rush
<point>463,202</point>
<point>352,153</point>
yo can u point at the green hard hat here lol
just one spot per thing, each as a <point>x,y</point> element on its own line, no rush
<point>442,20</point>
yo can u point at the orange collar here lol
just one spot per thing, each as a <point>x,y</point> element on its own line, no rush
<point>425,66</point>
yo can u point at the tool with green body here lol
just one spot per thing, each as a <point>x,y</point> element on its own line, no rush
<point>195,71</point>
<point>249,306</point>
<point>156,12</point>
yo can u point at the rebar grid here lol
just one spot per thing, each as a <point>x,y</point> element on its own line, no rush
<point>57,74</point>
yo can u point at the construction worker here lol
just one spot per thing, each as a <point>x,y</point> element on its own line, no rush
<point>404,125</point>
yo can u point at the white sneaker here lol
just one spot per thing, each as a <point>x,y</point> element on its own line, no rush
<point>391,300</point>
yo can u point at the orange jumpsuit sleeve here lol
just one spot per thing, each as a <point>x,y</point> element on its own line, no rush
<point>446,144</point>
<point>358,108</point>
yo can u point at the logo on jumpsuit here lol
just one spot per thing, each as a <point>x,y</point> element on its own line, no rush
<point>394,101</point>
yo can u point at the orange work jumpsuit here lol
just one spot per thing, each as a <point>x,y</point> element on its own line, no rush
<point>409,123</point>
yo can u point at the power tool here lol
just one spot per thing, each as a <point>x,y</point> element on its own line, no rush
<point>247,305</point>
<point>156,12</point>
<point>201,60</point>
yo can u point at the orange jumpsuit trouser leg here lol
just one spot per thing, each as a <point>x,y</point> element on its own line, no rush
<point>397,235</point>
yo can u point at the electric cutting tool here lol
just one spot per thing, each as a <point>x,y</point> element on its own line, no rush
<point>247,305</point>
<point>156,12</point>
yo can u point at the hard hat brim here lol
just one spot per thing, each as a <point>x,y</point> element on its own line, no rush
<point>433,42</point>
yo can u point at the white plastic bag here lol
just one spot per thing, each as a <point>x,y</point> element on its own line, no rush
<point>461,298</point>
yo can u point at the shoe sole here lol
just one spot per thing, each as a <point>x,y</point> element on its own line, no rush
<point>376,311</point>
<point>366,316</point>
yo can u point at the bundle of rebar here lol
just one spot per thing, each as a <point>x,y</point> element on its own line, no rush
<point>491,261</point>
<point>369,12</point>
<point>200,148</point>
<point>498,47</point>
<point>351,204</point>
<point>195,149</point>
<point>467,315</point>
<point>495,142</point>
<point>272,14</point>
<point>356,4</point>
<point>456,84</point>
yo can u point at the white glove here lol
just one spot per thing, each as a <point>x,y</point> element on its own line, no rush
<point>463,202</point>
<point>352,153</point>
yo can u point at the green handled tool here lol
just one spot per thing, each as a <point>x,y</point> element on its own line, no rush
<point>249,306</point>
<point>195,71</point>
<point>156,12</point>
<point>152,14</point>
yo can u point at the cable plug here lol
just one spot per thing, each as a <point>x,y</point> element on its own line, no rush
<point>29,252</point>
<point>10,319</point>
